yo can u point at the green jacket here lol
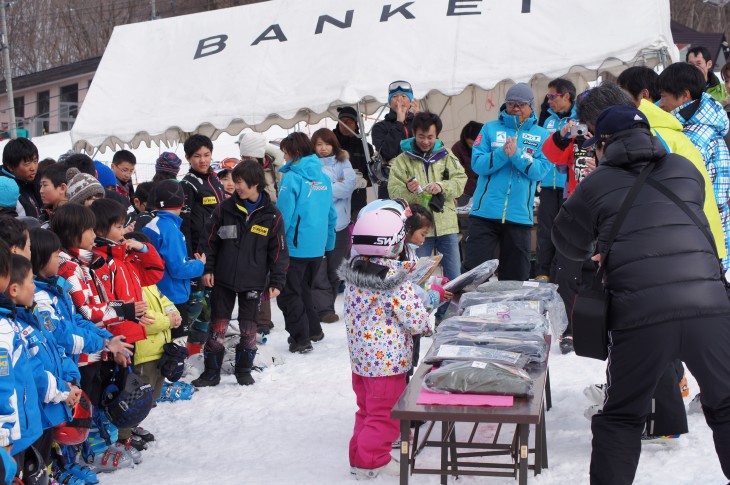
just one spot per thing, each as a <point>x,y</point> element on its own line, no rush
<point>669,130</point>
<point>717,91</point>
<point>158,334</point>
<point>408,165</point>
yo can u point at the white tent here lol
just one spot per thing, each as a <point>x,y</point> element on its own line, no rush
<point>286,61</point>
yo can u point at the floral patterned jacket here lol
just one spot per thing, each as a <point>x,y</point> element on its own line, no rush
<point>382,312</point>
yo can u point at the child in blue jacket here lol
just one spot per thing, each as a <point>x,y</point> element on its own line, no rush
<point>9,425</point>
<point>168,239</point>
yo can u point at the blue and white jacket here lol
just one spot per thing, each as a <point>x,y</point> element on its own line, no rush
<point>343,180</point>
<point>306,203</point>
<point>23,369</point>
<point>55,310</point>
<point>553,123</point>
<point>57,368</point>
<point>506,186</point>
<point>10,348</point>
<point>168,239</point>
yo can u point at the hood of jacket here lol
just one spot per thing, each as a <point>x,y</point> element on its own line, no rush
<point>513,122</point>
<point>7,307</point>
<point>411,150</point>
<point>309,167</point>
<point>397,273</point>
<point>704,111</point>
<point>658,118</point>
<point>633,147</point>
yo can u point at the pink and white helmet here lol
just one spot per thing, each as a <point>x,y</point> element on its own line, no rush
<point>379,233</point>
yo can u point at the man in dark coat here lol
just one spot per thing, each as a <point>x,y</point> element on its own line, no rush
<point>348,135</point>
<point>20,164</point>
<point>396,126</point>
<point>664,279</point>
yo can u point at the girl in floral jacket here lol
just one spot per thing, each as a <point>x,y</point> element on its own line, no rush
<point>382,312</point>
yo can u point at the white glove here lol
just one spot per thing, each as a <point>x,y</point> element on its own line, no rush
<point>360,182</point>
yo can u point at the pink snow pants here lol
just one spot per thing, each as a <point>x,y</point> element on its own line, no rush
<point>374,431</point>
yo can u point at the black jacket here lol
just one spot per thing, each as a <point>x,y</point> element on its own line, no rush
<point>246,251</point>
<point>30,201</point>
<point>387,135</point>
<point>203,193</point>
<point>661,266</point>
<point>353,145</point>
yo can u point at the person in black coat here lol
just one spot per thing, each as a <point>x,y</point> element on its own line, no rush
<point>667,296</point>
<point>348,135</point>
<point>396,126</point>
<point>20,164</point>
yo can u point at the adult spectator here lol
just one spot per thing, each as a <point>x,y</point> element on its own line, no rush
<point>123,166</point>
<point>396,126</point>
<point>705,124</point>
<point>701,58</point>
<point>20,164</point>
<point>462,150</point>
<point>561,109</point>
<point>348,135</point>
<point>667,298</point>
<point>307,206</point>
<point>507,156</point>
<point>429,174</point>
<point>167,167</point>
<point>252,146</point>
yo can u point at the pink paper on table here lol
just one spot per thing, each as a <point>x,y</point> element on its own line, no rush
<point>426,397</point>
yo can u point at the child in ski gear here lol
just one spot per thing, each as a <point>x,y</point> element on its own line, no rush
<point>20,164</point>
<point>143,205</point>
<point>82,188</point>
<point>382,312</point>
<point>164,231</point>
<point>306,203</point>
<point>52,189</point>
<point>15,233</point>
<point>9,347</point>
<point>246,256</point>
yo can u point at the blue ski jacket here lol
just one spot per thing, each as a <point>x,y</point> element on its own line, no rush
<point>506,186</point>
<point>553,123</point>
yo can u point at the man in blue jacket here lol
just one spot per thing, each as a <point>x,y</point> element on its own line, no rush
<point>306,204</point>
<point>507,156</point>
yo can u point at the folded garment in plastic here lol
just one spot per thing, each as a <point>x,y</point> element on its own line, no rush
<point>444,354</point>
<point>530,344</point>
<point>480,378</point>
<point>474,276</point>
<point>499,317</point>
<point>523,291</point>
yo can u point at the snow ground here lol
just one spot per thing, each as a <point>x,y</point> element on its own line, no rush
<point>294,425</point>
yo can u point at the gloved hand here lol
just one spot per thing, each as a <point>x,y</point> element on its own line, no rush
<point>360,182</point>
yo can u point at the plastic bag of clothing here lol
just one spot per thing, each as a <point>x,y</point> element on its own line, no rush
<point>476,377</point>
<point>446,353</point>
<point>474,276</point>
<point>499,318</point>
<point>523,291</point>
<point>530,344</point>
<point>487,309</point>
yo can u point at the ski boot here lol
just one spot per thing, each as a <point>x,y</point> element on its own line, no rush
<point>244,365</point>
<point>211,376</point>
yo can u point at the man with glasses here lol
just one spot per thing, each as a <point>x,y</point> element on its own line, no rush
<point>561,102</point>
<point>123,165</point>
<point>396,126</point>
<point>507,156</point>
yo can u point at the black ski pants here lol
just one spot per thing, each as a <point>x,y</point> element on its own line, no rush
<point>637,359</point>
<point>514,247</point>
<point>551,199</point>
<point>295,301</point>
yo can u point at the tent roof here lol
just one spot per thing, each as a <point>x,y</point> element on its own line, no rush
<point>286,61</point>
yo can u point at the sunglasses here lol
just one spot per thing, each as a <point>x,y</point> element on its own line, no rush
<point>400,86</point>
<point>516,104</point>
<point>556,95</point>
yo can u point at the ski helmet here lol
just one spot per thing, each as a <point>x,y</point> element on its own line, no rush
<point>127,400</point>
<point>75,431</point>
<point>399,206</point>
<point>379,233</point>
<point>35,471</point>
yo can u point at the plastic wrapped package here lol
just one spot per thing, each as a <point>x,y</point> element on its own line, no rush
<point>530,344</point>
<point>487,309</point>
<point>525,291</point>
<point>474,377</point>
<point>447,353</point>
<point>474,276</point>
<point>500,285</point>
<point>499,319</point>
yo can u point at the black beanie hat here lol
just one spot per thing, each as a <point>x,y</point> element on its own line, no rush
<point>169,195</point>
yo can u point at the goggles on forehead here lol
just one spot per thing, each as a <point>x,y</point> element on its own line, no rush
<point>229,163</point>
<point>400,86</point>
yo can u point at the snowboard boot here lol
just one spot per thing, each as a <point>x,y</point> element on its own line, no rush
<point>244,365</point>
<point>211,376</point>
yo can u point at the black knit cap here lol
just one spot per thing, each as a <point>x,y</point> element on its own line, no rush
<point>169,195</point>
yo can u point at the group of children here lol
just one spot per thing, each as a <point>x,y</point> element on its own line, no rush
<point>110,274</point>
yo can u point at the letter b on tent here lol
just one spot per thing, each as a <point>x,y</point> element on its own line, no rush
<point>210,46</point>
